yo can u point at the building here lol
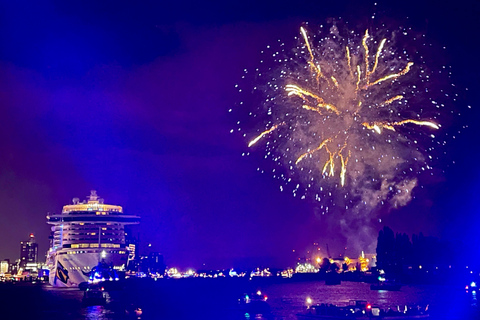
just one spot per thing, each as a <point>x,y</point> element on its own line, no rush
<point>28,251</point>
<point>4,267</point>
<point>155,263</point>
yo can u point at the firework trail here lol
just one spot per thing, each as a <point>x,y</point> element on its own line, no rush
<point>339,114</point>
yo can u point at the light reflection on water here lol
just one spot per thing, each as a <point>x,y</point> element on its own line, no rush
<point>474,299</point>
<point>94,312</point>
<point>448,302</point>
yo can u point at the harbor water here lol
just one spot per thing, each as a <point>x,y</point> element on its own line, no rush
<point>218,299</point>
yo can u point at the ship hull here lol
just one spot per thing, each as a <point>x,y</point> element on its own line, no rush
<point>69,270</point>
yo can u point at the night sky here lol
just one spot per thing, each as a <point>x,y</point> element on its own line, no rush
<point>132,100</point>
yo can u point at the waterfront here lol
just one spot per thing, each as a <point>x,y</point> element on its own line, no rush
<point>217,299</point>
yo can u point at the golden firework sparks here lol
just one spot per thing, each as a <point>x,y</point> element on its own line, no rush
<point>296,90</point>
<point>359,77</point>
<point>251,143</point>
<point>345,102</point>
<point>391,125</point>
<point>307,43</point>
<point>312,58</point>
<point>379,51</point>
<point>349,61</point>
<point>418,123</point>
<point>307,107</point>
<point>335,82</point>
<point>392,76</point>
<point>329,163</point>
<point>365,47</point>
<point>343,169</point>
<point>387,102</point>
<point>324,142</point>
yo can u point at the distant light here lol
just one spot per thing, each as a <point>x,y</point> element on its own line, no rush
<point>259,292</point>
<point>309,301</point>
<point>104,254</point>
<point>473,284</point>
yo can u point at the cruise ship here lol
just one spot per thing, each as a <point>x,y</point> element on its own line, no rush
<point>85,235</point>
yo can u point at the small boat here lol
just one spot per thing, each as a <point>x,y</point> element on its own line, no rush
<point>254,303</point>
<point>94,297</point>
<point>133,311</point>
<point>361,310</point>
<point>472,287</point>
<point>385,284</point>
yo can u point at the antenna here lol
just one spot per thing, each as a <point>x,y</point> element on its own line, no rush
<point>328,251</point>
<point>93,195</point>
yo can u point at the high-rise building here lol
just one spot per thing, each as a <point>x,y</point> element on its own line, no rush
<point>28,251</point>
<point>153,263</point>
<point>4,266</point>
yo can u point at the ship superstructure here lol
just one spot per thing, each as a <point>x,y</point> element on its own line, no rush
<point>83,235</point>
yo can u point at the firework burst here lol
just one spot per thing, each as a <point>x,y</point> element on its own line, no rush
<point>345,112</point>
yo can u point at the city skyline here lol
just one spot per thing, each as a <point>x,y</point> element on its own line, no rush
<point>133,100</point>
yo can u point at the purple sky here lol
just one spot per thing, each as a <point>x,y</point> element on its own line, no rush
<point>133,102</point>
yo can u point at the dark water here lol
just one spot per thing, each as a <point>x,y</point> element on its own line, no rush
<point>217,299</point>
